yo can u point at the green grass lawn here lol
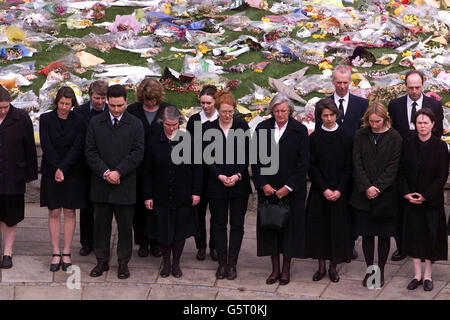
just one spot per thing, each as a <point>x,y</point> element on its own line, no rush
<point>274,69</point>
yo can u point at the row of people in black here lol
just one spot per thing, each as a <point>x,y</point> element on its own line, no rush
<point>121,183</point>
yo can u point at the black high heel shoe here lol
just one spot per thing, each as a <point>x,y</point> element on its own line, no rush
<point>65,265</point>
<point>55,266</point>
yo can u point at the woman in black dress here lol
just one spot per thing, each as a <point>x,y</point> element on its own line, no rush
<point>18,165</point>
<point>376,156</point>
<point>208,113</point>
<point>171,190</point>
<point>62,135</point>
<point>287,184</point>
<point>422,176</point>
<point>228,181</point>
<point>327,215</point>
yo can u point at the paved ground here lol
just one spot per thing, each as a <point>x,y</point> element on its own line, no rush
<point>30,277</point>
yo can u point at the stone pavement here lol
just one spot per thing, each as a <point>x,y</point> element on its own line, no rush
<point>30,277</point>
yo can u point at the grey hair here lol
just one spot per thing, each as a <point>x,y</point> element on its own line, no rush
<point>280,98</point>
<point>171,113</point>
<point>342,68</point>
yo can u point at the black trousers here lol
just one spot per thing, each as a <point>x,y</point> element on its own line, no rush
<point>140,223</point>
<point>219,212</point>
<point>200,242</point>
<point>87,220</point>
<point>102,231</point>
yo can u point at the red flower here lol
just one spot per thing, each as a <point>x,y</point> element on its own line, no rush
<point>405,1</point>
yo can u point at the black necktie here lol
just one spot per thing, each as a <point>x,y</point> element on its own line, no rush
<point>413,112</point>
<point>116,121</point>
<point>341,106</point>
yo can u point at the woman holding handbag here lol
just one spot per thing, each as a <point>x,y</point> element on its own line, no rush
<point>376,156</point>
<point>288,184</point>
<point>327,214</point>
<point>422,176</point>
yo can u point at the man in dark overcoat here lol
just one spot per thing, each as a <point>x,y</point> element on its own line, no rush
<point>95,106</point>
<point>402,111</point>
<point>18,165</point>
<point>114,149</point>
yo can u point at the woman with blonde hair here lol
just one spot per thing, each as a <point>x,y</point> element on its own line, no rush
<point>376,156</point>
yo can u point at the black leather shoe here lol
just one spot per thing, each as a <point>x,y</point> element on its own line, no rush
<point>231,273</point>
<point>64,265</point>
<point>99,269</point>
<point>123,272</point>
<point>213,254</point>
<point>201,254</point>
<point>7,262</point>
<point>318,275</point>
<point>165,271</point>
<point>84,251</point>
<point>354,254</point>
<point>272,280</point>
<point>176,271</point>
<point>366,277</point>
<point>396,256</point>
<point>55,266</point>
<point>428,285</point>
<point>143,251</point>
<point>414,284</point>
<point>334,277</point>
<point>221,273</point>
<point>284,281</point>
<point>156,251</point>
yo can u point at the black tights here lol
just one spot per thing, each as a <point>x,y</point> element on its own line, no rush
<point>276,266</point>
<point>176,249</point>
<point>322,266</point>
<point>384,245</point>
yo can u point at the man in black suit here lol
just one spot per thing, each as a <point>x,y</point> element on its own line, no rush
<point>114,149</point>
<point>150,106</point>
<point>402,113</point>
<point>95,106</point>
<point>352,108</point>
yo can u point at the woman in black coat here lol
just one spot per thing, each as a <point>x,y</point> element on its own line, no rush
<point>171,190</point>
<point>62,135</point>
<point>287,184</point>
<point>327,211</point>
<point>228,181</point>
<point>18,165</point>
<point>376,156</point>
<point>208,114</point>
<point>422,177</point>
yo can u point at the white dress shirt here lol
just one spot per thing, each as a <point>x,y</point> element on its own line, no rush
<point>344,103</point>
<point>277,135</point>
<point>409,106</point>
<point>204,118</point>
<point>112,118</point>
<point>336,126</point>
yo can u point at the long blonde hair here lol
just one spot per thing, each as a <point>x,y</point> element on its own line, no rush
<point>378,109</point>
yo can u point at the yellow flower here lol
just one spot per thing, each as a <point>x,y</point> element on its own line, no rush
<point>309,25</point>
<point>407,53</point>
<point>265,19</point>
<point>257,70</point>
<point>203,49</point>
<point>300,24</point>
<point>398,10</point>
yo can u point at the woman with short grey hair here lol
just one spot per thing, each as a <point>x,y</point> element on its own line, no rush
<point>278,99</point>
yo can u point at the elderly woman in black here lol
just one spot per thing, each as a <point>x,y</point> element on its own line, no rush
<point>228,186</point>
<point>62,135</point>
<point>288,184</point>
<point>207,114</point>
<point>422,176</point>
<point>171,189</point>
<point>376,156</point>
<point>18,165</point>
<point>328,225</point>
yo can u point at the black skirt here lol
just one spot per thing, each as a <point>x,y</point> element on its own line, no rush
<point>69,194</point>
<point>328,228</point>
<point>172,224</point>
<point>364,224</point>
<point>424,238</point>
<point>12,209</point>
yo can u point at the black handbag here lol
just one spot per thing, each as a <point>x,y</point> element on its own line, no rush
<point>385,205</point>
<point>273,215</point>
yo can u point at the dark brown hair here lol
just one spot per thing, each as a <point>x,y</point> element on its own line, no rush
<point>327,103</point>
<point>4,94</point>
<point>66,92</point>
